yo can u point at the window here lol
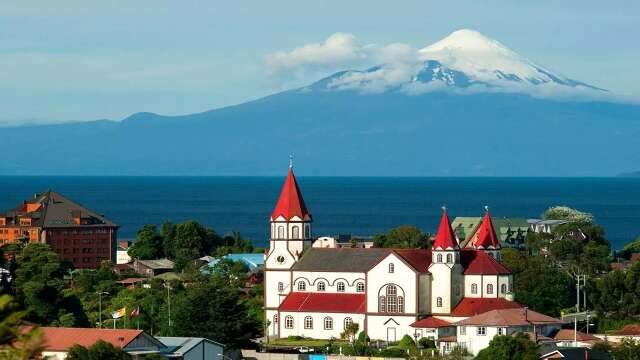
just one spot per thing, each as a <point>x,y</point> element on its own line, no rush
<point>500,331</point>
<point>489,288</point>
<point>503,288</point>
<point>340,286</point>
<point>302,286</point>
<point>439,258</point>
<point>482,331</point>
<point>307,231</point>
<point>474,288</point>
<point>347,322</point>
<point>288,322</point>
<point>463,330</point>
<point>308,322</point>
<point>295,232</point>
<point>360,287</point>
<point>280,287</point>
<point>391,268</point>
<point>321,286</point>
<point>382,307</point>
<point>449,258</point>
<point>392,304</point>
<point>400,304</point>
<point>328,323</point>
<point>439,302</point>
<point>275,318</point>
<point>392,290</point>
<point>280,232</point>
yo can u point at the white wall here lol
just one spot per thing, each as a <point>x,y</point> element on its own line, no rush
<point>272,278</point>
<point>318,331</point>
<point>379,327</point>
<point>404,277</point>
<point>330,279</point>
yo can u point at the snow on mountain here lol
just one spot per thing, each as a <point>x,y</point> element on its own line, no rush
<point>464,59</point>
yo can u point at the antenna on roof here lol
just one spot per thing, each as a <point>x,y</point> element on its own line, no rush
<point>486,208</point>
<point>290,161</point>
<point>444,208</point>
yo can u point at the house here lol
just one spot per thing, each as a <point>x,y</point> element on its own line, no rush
<point>572,338</point>
<point>544,226</point>
<point>190,348</point>
<point>575,353</point>
<point>343,241</point>
<point>152,268</point>
<point>76,233</point>
<point>58,340</point>
<point>318,291</point>
<point>476,332</point>
<point>511,232</point>
<point>631,331</point>
<point>122,252</point>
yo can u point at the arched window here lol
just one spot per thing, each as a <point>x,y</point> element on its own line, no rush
<point>321,286</point>
<point>328,323</point>
<point>280,287</point>
<point>347,322</point>
<point>308,322</point>
<point>489,288</point>
<point>307,231</point>
<point>392,268</point>
<point>391,300</point>
<point>382,304</point>
<point>439,302</point>
<point>474,288</point>
<point>503,288</point>
<point>439,258</point>
<point>280,232</point>
<point>360,287</point>
<point>302,286</point>
<point>288,322</point>
<point>295,232</point>
<point>275,318</point>
<point>392,290</point>
<point>340,286</point>
<point>449,258</point>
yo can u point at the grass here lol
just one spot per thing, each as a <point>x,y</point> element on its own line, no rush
<point>304,342</point>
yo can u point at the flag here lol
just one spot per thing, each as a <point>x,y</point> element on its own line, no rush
<point>119,313</point>
<point>135,312</point>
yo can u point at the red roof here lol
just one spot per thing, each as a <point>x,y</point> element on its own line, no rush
<point>419,259</point>
<point>510,317</point>
<point>473,306</point>
<point>61,339</point>
<point>568,335</point>
<point>430,322</point>
<point>487,238</point>
<point>628,330</point>
<point>290,203</point>
<point>445,239</point>
<point>324,302</point>
<point>477,262</point>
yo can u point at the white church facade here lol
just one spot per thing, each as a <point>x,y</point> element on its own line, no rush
<point>315,292</point>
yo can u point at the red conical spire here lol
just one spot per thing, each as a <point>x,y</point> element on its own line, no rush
<point>290,203</point>
<point>445,239</point>
<point>487,238</point>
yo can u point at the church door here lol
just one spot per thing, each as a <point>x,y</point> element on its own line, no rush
<point>391,334</point>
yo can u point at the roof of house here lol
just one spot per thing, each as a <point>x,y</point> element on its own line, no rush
<point>419,259</point>
<point>290,203</point>
<point>486,238</point>
<point>510,317</point>
<point>465,226</point>
<point>340,259</point>
<point>445,239</point>
<point>568,335</point>
<point>629,330</point>
<point>431,322</point>
<point>576,354</point>
<point>324,302</point>
<point>129,281</point>
<point>182,345</point>
<point>472,306</point>
<point>477,262</point>
<point>157,264</point>
<point>57,211</point>
<point>61,339</point>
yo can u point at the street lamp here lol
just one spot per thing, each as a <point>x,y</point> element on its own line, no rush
<point>100,293</point>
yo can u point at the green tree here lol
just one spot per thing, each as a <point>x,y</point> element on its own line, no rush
<point>406,343</point>
<point>148,244</point>
<point>101,350</point>
<point>616,296</point>
<point>627,350</point>
<point>567,213</point>
<point>530,271</point>
<point>11,333</point>
<point>214,310</point>
<point>168,233</point>
<point>404,236</point>
<point>192,240</point>
<point>39,286</point>
<point>350,331</point>
<point>517,347</point>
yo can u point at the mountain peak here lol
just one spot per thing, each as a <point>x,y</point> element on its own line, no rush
<point>467,39</point>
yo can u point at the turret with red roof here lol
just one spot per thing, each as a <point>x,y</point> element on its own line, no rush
<point>486,238</point>
<point>445,238</point>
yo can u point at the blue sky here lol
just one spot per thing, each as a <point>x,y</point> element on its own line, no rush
<point>84,60</point>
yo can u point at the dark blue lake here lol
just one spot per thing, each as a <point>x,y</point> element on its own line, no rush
<point>344,205</point>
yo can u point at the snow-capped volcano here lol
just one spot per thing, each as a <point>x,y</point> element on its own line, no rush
<point>464,59</point>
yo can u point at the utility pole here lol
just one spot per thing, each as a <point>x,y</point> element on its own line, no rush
<point>169,306</point>
<point>100,307</point>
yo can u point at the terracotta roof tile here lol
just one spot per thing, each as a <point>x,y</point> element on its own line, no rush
<point>431,322</point>
<point>473,306</point>
<point>477,262</point>
<point>630,330</point>
<point>568,334</point>
<point>61,339</point>
<point>510,317</point>
<point>324,302</point>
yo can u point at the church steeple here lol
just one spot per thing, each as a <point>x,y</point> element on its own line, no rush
<point>290,204</point>
<point>445,238</point>
<point>486,239</point>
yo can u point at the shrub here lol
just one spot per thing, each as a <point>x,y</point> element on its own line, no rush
<point>427,343</point>
<point>406,343</point>
<point>294,337</point>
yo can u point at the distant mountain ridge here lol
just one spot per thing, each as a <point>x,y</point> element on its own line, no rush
<point>467,107</point>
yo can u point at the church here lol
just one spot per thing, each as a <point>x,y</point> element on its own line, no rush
<point>316,292</point>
